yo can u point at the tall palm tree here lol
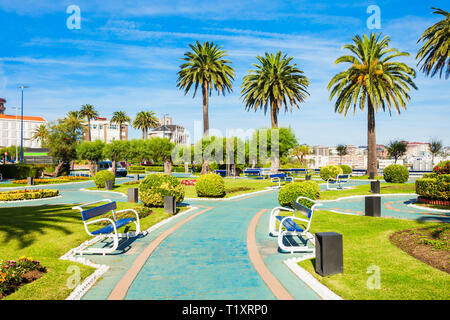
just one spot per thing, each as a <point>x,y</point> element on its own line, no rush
<point>145,120</point>
<point>88,111</point>
<point>73,120</point>
<point>435,148</point>
<point>275,84</point>
<point>435,53</point>
<point>205,66</point>
<point>40,134</point>
<point>342,151</point>
<point>371,79</point>
<point>120,117</point>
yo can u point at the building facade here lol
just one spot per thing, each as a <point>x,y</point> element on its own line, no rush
<point>10,130</point>
<point>176,133</point>
<point>102,129</point>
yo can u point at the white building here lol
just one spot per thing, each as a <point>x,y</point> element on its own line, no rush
<point>102,129</point>
<point>176,133</point>
<point>10,130</point>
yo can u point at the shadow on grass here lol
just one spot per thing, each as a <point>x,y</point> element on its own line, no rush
<point>23,223</point>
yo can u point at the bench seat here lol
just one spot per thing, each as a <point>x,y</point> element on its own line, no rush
<point>289,224</point>
<point>109,228</point>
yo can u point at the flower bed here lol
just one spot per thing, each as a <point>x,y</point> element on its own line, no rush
<point>16,195</point>
<point>433,201</point>
<point>49,181</point>
<point>188,182</point>
<point>14,274</point>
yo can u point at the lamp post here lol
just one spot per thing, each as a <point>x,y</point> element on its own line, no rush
<point>21,125</point>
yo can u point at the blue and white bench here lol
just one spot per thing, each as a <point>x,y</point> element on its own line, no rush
<point>222,173</point>
<point>109,231</point>
<point>339,181</point>
<point>278,177</point>
<point>288,226</point>
<point>252,172</point>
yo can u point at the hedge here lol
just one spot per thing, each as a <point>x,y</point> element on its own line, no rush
<point>396,173</point>
<point>210,185</point>
<point>442,167</point>
<point>291,191</point>
<point>346,169</point>
<point>16,195</point>
<point>154,187</point>
<point>434,188</point>
<point>102,176</point>
<point>330,171</point>
<point>21,171</point>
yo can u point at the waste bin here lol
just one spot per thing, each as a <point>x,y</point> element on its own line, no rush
<point>373,206</point>
<point>329,253</point>
<point>133,195</point>
<point>170,204</point>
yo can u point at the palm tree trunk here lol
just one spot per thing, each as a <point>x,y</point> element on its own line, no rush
<point>120,131</point>
<point>89,129</point>
<point>371,140</point>
<point>275,160</point>
<point>205,120</point>
<point>143,133</point>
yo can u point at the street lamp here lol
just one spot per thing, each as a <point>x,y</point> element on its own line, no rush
<point>21,126</point>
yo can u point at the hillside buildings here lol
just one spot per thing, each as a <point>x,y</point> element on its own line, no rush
<point>102,129</point>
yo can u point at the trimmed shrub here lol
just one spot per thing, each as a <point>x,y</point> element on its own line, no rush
<point>396,173</point>
<point>429,175</point>
<point>442,167</point>
<point>330,171</point>
<point>210,185</point>
<point>16,195</point>
<point>21,171</point>
<point>102,176</point>
<point>154,187</point>
<point>291,191</point>
<point>345,169</point>
<point>434,188</point>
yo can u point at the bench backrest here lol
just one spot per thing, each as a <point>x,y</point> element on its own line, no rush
<point>256,171</point>
<point>301,208</point>
<point>342,176</point>
<point>278,175</point>
<point>98,211</point>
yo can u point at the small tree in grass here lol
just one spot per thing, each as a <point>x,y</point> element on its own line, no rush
<point>93,152</point>
<point>160,150</point>
<point>396,149</point>
<point>116,151</point>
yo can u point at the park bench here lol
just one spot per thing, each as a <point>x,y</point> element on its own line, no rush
<point>288,227</point>
<point>109,231</point>
<point>339,181</point>
<point>222,173</point>
<point>252,172</point>
<point>278,177</point>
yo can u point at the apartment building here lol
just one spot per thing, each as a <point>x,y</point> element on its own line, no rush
<point>176,133</point>
<point>10,130</point>
<point>102,129</point>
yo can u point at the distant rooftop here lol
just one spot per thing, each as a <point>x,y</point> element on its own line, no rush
<point>29,118</point>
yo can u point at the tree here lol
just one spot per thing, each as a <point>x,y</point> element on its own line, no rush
<point>435,53</point>
<point>342,151</point>
<point>206,67</point>
<point>372,79</point>
<point>435,148</point>
<point>160,150</point>
<point>115,151</point>
<point>300,152</point>
<point>40,134</point>
<point>91,151</point>
<point>88,111</point>
<point>275,84</point>
<point>120,117</point>
<point>145,120</point>
<point>396,149</point>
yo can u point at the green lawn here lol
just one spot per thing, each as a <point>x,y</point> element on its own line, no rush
<point>366,177</point>
<point>366,243</point>
<point>46,233</point>
<point>385,188</point>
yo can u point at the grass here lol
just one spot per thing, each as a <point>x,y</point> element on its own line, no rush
<point>366,177</point>
<point>366,243</point>
<point>364,189</point>
<point>46,233</point>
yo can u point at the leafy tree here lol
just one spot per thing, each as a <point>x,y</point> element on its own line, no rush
<point>88,112</point>
<point>205,66</point>
<point>396,149</point>
<point>160,150</point>
<point>145,120</point>
<point>115,151</point>
<point>300,152</point>
<point>93,152</point>
<point>435,148</point>
<point>277,83</point>
<point>40,134</point>
<point>435,53</point>
<point>372,79</point>
<point>342,151</point>
<point>120,117</point>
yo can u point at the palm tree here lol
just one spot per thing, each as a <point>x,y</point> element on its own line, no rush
<point>372,79</point>
<point>40,134</point>
<point>396,149</point>
<point>88,111</point>
<point>342,151</point>
<point>120,117</point>
<point>275,84</point>
<point>73,120</point>
<point>205,66</point>
<point>145,120</point>
<point>435,53</point>
<point>435,148</point>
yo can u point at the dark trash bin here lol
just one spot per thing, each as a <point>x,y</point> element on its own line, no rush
<point>373,206</point>
<point>133,195</point>
<point>170,204</point>
<point>108,185</point>
<point>329,253</point>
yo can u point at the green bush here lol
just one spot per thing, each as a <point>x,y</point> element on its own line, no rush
<point>330,171</point>
<point>442,167</point>
<point>434,188</point>
<point>16,195</point>
<point>210,185</point>
<point>346,169</point>
<point>429,175</point>
<point>21,171</point>
<point>102,176</point>
<point>291,191</point>
<point>154,187</point>
<point>396,173</point>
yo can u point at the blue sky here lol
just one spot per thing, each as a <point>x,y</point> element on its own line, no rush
<point>127,53</point>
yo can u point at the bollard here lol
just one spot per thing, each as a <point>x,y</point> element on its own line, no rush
<point>372,175</point>
<point>375,186</point>
<point>108,185</point>
<point>133,195</point>
<point>136,177</point>
<point>30,181</point>
<point>308,177</point>
<point>170,204</point>
<point>373,206</point>
<point>329,253</point>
